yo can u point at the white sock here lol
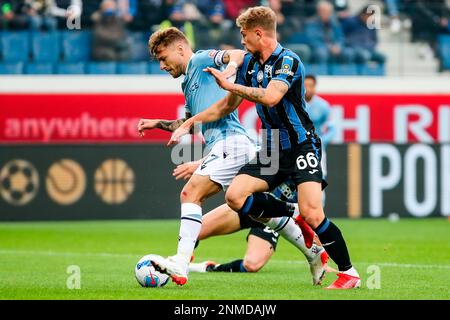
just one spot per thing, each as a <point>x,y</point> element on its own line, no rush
<point>352,272</point>
<point>289,230</point>
<point>191,223</point>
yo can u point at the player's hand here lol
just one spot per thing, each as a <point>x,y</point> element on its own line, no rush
<point>182,130</point>
<point>185,170</point>
<point>221,78</point>
<point>146,124</point>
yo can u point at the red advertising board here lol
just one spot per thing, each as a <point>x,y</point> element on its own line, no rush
<point>97,118</point>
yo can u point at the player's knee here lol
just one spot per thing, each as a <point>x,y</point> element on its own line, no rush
<point>189,194</point>
<point>252,265</point>
<point>312,213</point>
<point>234,200</point>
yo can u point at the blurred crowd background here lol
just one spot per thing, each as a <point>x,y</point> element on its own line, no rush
<point>338,37</point>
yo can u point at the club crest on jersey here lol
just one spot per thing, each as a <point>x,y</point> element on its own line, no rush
<point>286,67</point>
<point>260,76</point>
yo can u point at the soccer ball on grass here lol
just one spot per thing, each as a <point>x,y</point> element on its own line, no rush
<point>146,274</point>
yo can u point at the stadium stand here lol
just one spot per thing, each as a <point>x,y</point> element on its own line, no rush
<point>75,45</point>
<point>70,51</point>
<point>45,47</point>
<point>444,52</point>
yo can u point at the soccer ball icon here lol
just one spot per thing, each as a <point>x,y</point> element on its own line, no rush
<point>146,274</point>
<point>19,182</point>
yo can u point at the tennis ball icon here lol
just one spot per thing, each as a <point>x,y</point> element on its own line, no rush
<point>66,181</point>
<point>114,181</point>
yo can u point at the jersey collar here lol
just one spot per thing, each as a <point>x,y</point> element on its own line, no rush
<point>275,53</point>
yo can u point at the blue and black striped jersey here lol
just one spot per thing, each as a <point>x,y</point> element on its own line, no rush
<point>289,116</point>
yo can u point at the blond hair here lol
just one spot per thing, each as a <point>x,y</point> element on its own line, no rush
<point>263,17</point>
<point>165,37</point>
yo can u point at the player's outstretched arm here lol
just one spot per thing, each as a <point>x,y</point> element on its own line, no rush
<point>166,125</point>
<point>268,97</point>
<point>215,112</point>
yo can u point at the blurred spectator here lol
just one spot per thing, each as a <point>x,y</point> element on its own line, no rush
<point>361,39</point>
<point>429,18</point>
<point>233,8</point>
<point>325,36</point>
<point>126,9</point>
<point>393,12</point>
<point>109,33</point>
<point>194,10</point>
<point>286,24</point>
<point>39,15</point>
<point>201,20</point>
<point>151,13</point>
<point>44,14</point>
<point>12,15</point>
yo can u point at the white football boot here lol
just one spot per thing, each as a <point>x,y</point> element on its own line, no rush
<point>318,263</point>
<point>173,267</point>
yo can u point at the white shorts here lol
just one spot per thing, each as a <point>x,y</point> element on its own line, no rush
<point>226,158</point>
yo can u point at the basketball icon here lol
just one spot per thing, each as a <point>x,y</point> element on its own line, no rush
<point>66,181</point>
<point>114,181</point>
<point>19,182</point>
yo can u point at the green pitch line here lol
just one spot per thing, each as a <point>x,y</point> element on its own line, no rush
<point>408,259</point>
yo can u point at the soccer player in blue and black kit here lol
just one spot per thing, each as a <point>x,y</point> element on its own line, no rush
<point>272,77</point>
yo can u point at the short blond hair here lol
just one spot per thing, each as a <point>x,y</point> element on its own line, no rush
<point>263,17</point>
<point>165,37</point>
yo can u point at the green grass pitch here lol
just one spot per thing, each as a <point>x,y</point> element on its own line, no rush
<point>413,257</point>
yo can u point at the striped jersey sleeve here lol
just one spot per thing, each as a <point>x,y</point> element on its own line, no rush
<point>287,69</point>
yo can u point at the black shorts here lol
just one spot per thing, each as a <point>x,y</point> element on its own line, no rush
<point>259,230</point>
<point>266,234</point>
<point>301,163</point>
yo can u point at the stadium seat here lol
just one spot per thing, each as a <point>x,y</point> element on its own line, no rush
<point>15,46</point>
<point>45,46</point>
<point>316,69</point>
<point>76,46</point>
<point>101,68</point>
<point>11,68</point>
<point>444,51</point>
<point>302,50</point>
<point>297,37</point>
<point>132,68</point>
<point>349,69</point>
<point>70,68</point>
<point>371,69</point>
<point>154,68</point>
<point>39,68</point>
<point>138,42</point>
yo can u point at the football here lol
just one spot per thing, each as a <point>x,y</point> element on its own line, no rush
<point>146,274</point>
<point>19,182</point>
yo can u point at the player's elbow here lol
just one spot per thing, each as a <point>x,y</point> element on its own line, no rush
<point>272,101</point>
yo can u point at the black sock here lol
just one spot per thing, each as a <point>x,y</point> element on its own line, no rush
<point>334,243</point>
<point>196,244</point>
<point>233,266</point>
<point>265,205</point>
